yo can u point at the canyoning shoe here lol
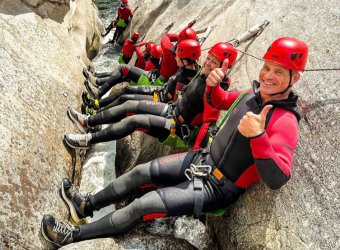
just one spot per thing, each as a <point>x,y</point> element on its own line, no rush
<point>93,91</point>
<point>79,119</point>
<point>89,101</point>
<point>58,232</point>
<point>77,203</point>
<point>86,73</point>
<point>80,141</point>
<point>87,111</point>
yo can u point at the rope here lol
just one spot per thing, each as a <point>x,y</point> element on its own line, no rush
<point>321,69</point>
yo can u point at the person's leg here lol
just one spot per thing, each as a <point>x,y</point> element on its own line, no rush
<point>129,107</point>
<point>158,127</point>
<point>124,72</point>
<point>139,90</point>
<point>170,201</point>
<point>124,98</point>
<point>130,124</point>
<point>164,171</point>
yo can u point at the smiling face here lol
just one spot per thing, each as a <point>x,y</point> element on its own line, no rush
<point>210,63</point>
<point>274,78</point>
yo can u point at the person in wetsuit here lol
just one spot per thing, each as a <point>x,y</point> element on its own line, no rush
<point>172,124</point>
<point>125,14</point>
<point>129,47</point>
<point>257,142</point>
<point>124,72</point>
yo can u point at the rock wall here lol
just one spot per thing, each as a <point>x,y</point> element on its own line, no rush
<point>40,69</point>
<point>305,213</point>
<point>42,53</point>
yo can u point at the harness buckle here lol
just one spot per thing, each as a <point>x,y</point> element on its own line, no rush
<point>185,132</point>
<point>197,171</point>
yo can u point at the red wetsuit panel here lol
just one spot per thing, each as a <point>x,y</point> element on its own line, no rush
<point>149,65</point>
<point>168,65</point>
<point>124,13</point>
<point>128,47</point>
<point>210,115</point>
<point>140,62</point>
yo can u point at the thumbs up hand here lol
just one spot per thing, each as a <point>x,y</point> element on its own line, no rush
<point>216,76</point>
<point>252,125</point>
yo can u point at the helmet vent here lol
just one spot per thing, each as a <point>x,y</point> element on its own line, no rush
<point>293,56</point>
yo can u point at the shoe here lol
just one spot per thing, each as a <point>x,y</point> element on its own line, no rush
<point>78,141</point>
<point>86,73</point>
<point>76,202</point>
<point>58,232</point>
<point>87,111</point>
<point>79,119</point>
<point>93,91</point>
<point>89,101</point>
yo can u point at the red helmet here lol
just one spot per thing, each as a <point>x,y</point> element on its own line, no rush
<point>187,33</point>
<point>289,52</point>
<point>135,36</point>
<point>224,51</point>
<point>189,49</point>
<point>124,1</point>
<point>148,47</point>
<point>156,51</point>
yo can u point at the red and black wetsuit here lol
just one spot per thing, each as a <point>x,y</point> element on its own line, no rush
<point>242,160</point>
<point>269,156</point>
<point>128,48</point>
<point>125,13</point>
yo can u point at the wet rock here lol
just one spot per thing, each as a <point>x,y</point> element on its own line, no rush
<point>40,77</point>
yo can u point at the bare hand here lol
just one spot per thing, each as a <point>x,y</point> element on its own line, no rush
<point>252,125</point>
<point>216,76</point>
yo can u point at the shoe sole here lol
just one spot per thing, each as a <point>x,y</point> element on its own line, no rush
<point>76,147</point>
<point>69,203</point>
<point>87,86</point>
<point>46,238</point>
<point>75,121</point>
<point>84,100</point>
<point>86,73</point>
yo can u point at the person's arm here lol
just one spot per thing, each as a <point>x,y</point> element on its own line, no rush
<point>142,44</point>
<point>167,39</point>
<point>272,148</point>
<point>217,96</point>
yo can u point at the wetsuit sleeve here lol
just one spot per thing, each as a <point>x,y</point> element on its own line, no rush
<point>140,62</point>
<point>273,151</point>
<point>141,44</point>
<point>210,116</point>
<point>167,39</point>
